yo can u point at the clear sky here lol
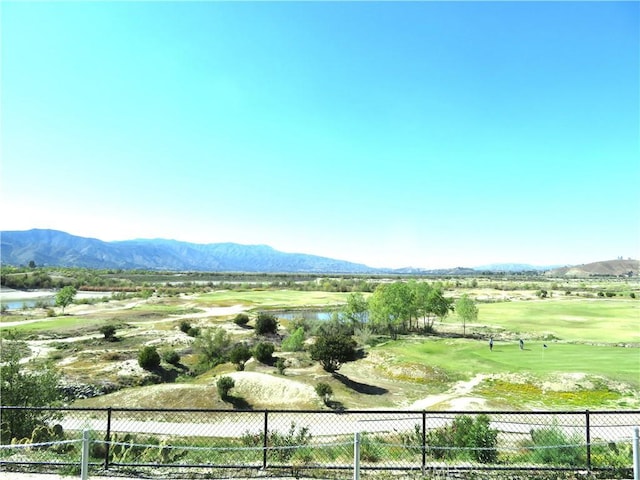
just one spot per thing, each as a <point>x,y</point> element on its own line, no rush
<point>425,134</point>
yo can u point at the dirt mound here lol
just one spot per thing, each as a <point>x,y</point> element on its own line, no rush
<point>262,390</point>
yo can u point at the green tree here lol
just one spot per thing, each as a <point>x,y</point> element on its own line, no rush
<point>467,311</point>
<point>214,345</point>
<point>171,356</point>
<point>391,308</point>
<point>294,342</point>
<point>239,355</point>
<point>266,324</point>
<point>264,352</point>
<point>224,385</point>
<point>65,296</point>
<point>324,391</point>
<point>149,358</point>
<point>109,332</point>
<point>332,351</point>
<point>356,310</point>
<point>25,387</point>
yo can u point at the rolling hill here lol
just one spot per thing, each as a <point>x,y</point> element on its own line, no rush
<point>55,248</point>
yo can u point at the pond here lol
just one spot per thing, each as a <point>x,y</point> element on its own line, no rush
<point>322,315</point>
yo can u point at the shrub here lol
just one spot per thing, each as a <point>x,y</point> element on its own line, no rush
<point>266,324</point>
<point>224,384</point>
<point>171,356</point>
<point>285,444</point>
<point>241,319</point>
<point>185,326</point>
<point>632,295</point>
<point>149,358</point>
<point>465,437</point>
<point>333,350</point>
<point>294,342</point>
<point>109,332</point>
<point>239,355</point>
<point>281,365</point>
<point>214,345</point>
<point>324,391</point>
<point>552,446</point>
<point>263,352</point>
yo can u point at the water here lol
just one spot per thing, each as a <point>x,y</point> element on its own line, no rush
<point>321,315</point>
<point>28,303</point>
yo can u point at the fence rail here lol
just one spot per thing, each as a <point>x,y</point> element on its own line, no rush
<point>291,442</point>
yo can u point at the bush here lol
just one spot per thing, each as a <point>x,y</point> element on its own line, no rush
<point>241,319</point>
<point>263,352</point>
<point>224,384</point>
<point>552,446</point>
<point>294,342</point>
<point>324,391</point>
<point>281,365</point>
<point>266,324</point>
<point>239,355</point>
<point>171,357</point>
<point>465,437</point>
<point>185,326</point>
<point>284,445</point>
<point>109,332</point>
<point>214,345</point>
<point>333,350</point>
<point>149,358</point>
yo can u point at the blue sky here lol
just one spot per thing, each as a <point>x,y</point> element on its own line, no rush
<point>426,134</point>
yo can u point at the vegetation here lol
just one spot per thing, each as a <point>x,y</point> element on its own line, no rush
<point>324,391</point>
<point>149,358</point>
<point>467,437</point>
<point>65,296</point>
<point>239,355</point>
<point>25,387</point>
<point>467,311</point>
<point>214,346</point>
<point>263,352</point>
<point>224,385</point>
<point>295,341</point>
<point>332,351</point>
<point>109,332</point>
<point>266,324</point>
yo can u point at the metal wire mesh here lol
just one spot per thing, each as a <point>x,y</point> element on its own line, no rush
<point>291,442</point>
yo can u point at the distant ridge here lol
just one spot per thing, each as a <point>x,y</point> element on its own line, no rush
<point>617,268</point>
<point>56,248</point>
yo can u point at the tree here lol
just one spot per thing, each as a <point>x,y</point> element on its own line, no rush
<point>171,357</point>
<point>263,352</point>
<point>23,388</point>
<point>294,342</point>
<point>467,311</point>
<point>391,308</point>
<point>356,310</point>
<point>214,345</point>
<point>332,351</point>
<point>239,356</point>
<point>109,332</point>
<point>266,323</point>
<point>65,296</point>
<point>149,358</point>
<point>324,391</point>
<point>224,384</point>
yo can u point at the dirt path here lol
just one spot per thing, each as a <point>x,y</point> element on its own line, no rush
<point>457,397</point>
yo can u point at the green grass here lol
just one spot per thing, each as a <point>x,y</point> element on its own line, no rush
<point>589,320</point>
<point>273,299</point>
<point>463,358</point>
<point>64,323</point>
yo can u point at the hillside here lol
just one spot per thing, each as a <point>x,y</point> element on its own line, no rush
<point>55,248</point>
<point>616,268</point>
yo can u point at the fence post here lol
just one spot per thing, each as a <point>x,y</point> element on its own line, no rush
<point>107,439</point>
<point>84,462</point>
<point>588,441</point>
<point>264,440</point>
<point>424,442</point>
<point>636,453</point>
<point>356,456</point>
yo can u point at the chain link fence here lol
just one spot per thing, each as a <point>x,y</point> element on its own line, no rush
<point>291,443</point>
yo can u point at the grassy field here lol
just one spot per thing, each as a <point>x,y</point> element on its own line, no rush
<point>273,299</point>
<point>573,319</point>
<point>592,359</point>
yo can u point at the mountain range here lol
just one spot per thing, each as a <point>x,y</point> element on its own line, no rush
<point>56,248</point>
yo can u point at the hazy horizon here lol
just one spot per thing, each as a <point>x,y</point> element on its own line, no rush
<point>391,134</point>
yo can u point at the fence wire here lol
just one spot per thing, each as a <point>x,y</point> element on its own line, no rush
<point>293,441</point>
